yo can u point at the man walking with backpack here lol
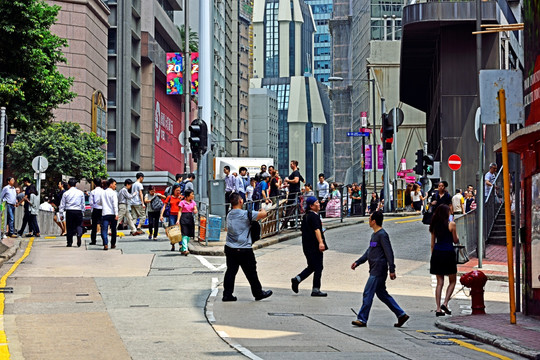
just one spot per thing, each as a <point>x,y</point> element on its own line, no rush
<point>239,251</point>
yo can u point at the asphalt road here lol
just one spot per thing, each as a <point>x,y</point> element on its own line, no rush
<point>143,301</point>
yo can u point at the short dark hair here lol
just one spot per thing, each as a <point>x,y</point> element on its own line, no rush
<point>235,199</point>
<point>110,182</point>
<point>188,192</point>
<point>321,174</point>
<point>26,179</point>
<point>242,169</point>
<point>263,165</point>
<point>178,176</point>
<point>139,175</point>
<point>72,182</point>
<point>128,182</point>
<point>191,176</point>
<point>227,167</point>
<point>97,182</point>
<point>470,186</point>
<point>9,178</point>
<point>295,162</point>
<point>458,191</point>
<point>151,187</point>
<point>271,166</point>
<point>64,184</point>
<point>32,189</point>
<point>378,217</point>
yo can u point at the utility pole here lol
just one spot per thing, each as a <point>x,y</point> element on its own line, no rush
<point>480,190</point>
<point>2,142</point>
<point>187,85</point>
<point>387,207</point>
<point>394,118</point>
<point>374,164</point>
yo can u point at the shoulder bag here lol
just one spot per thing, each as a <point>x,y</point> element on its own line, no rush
<point>254,227</point>
<point>461,254</point>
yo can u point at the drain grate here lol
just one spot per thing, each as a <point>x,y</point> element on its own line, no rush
<point>6,290</point>
<point>166,290</point>
<point>207,272</point>
<point>139,305</point>
<point>84,302</point>
<point>165,269</point>
<point>82,295</point>
<point>443,342</point>
<point>284,314</point>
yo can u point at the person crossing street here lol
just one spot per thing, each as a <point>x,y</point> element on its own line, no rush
<point>72,207</point>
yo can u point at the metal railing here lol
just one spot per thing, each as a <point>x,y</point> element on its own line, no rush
<point>493,204</point>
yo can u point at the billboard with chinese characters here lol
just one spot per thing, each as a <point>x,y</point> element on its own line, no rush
<point>175,76</point>
<point>368,162</point>
<point>168,128</point>
<point>535,231</point>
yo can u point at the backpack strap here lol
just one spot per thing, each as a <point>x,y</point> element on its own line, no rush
<point>250,218</point>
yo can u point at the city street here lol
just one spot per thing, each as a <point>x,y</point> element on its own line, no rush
<point>143,301</point>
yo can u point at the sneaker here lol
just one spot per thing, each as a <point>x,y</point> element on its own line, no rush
<point>172,248</point>
<point>150,237</point>
<point>263,295</point>
<point>92,243</point>
<point>227,298</point>
<point>359,323</point>
<point>13,236</point>
<point>155,239</point>
<point>79,241</point>
<point>401,320</point>
<point>319,293</point>
<point>294,285</point>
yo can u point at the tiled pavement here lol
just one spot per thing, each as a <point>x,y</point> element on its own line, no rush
<point>494,264</point>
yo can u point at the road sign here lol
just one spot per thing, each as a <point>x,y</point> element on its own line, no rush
<point>491,81</point>
<point>399,116</point>
<point>40,164</point>
<point>356,134</point>
<point>316,135</point>
<point>454,162</point>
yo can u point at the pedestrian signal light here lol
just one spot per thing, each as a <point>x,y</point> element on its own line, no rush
<point>428,163</point>
<point>419,167</point>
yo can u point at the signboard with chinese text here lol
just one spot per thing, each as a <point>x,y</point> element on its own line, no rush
<point>369,158</point>
<point>174,74</point>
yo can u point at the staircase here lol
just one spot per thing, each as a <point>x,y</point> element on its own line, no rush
<point>498,233</point>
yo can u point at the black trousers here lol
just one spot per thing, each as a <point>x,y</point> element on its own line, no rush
<point>33,223</point>
<point>314,266</point>
<point>244,258</point>
<point>323,207</point>
<point>227,201</point>
<point>96,219</point>
<point>25,221</point>
<point>74,220</point>
<point>153,223</point>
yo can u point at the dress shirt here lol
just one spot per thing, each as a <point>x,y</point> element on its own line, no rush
<point>109,202</point>
<point>124,196</point>
<point>239,186</point>
<point>229,183</point>
<point>9,195</point>
<point>322,189</point>
<point>95,198</point>
<point>73,199</point>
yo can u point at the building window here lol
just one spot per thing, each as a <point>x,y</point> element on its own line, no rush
<point>271,30</point>
<point>111,41</point>
<point>382,21</point>
<point>322,51</point>
<point>322,9</point>
<point>322,38</point>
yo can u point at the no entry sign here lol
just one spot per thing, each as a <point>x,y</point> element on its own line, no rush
<point>454,162</point>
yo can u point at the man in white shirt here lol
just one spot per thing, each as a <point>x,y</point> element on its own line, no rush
<point>71,209</point>
<point>322,193</point>
<point>46,205</point>
<point>123,197</point>
<point>457,202</point>
<point>138,208</point>
<point>489,179</point>
<point>9,195</point>
<point>239,186</point>
<point>109,203</point>
<point>95,205</point>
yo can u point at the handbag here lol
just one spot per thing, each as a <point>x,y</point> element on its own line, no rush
<point>174,233</point>
<point>167,211</point>
<point>254,227</point>
<point>426,219</point>
<point>461,254</point>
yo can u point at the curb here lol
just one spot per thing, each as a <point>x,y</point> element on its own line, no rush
<point>218,250</point>
<point>497,341</point>
<point>489,276</point>
<point>11,252</point>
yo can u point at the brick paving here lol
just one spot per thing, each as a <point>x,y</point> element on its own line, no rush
<point>494,264</point>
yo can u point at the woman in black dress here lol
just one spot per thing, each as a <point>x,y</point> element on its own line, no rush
<point>443,257</point>
<point>374,203</point>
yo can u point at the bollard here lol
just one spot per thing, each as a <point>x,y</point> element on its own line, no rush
<point>475,280</point>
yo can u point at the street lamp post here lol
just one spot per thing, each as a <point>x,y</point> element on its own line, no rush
<point>374,144</point>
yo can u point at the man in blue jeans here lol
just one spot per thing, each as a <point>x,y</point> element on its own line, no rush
<point>9,195</point>
<point>380,257</point>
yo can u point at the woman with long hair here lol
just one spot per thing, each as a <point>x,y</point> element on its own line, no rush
<point>374,203</point>
<point>188,208</point>
<point>443,257</point>
<point>408,199</point>
<point>173,201</point>
<point>417,198</point>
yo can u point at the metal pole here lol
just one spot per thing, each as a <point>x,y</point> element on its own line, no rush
<point>480,192</point>
<point>453,183</point>
<point>394,118</point>
<point>385,169</point>
<point>517,250</point>
<point>187,85</point>
<point>38,180</point>
<point>507,204</point>
<point>374,150</point>
<point>363,211</point>
<point>2,142</point>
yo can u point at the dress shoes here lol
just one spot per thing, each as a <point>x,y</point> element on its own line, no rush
<point>263,295</point>
<point>79,241</point>
<point>319,293</point>
<point>401,320</point>
<point>359,323</point>
<point>294,285</point>
<point>228,298</point>
<point>105,247</point>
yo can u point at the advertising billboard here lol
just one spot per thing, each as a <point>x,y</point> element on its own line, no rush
<point>175,77</point>
<point>531,72</point>
<point>194,73</point>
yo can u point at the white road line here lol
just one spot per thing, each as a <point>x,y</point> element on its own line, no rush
<point>215,283</point>
<point>206,263</point>
<point>222,334</point>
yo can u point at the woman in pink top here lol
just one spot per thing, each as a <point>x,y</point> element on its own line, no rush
<point>188,207</point>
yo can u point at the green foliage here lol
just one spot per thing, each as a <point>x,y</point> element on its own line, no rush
<point>30,84</point>
<point>193,39</point>
<point>68,149</point>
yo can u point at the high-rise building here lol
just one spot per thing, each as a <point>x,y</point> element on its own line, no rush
<point>263,123</point>
<point>144,123</point>
<point>282,52</point>
<point>322,13</point>
<point>218,123</point>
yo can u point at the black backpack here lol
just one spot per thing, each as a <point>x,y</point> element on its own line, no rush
<point>254,227</point>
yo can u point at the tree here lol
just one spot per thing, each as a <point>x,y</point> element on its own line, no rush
<point>30,84</point>
<point>193,39</point>
<point>68,149</point>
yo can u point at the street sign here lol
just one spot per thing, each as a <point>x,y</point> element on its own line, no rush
<point>40,164</point>
<point>399,117</point>
<point>363,118</point>
<point>316,135</point>
<point>491,81</point>
<point>356,134</point>
<point>454,162</point>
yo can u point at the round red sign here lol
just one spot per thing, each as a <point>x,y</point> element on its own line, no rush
<point>454,162</point>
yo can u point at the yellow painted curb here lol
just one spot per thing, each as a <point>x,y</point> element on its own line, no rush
<point>475,348</point>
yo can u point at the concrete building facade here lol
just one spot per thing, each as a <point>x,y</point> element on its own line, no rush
<point>282,51</point>
<point>85,26</point>
<point>218,124</point>
<point>263,123</point>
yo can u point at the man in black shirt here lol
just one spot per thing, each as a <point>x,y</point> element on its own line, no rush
<point>314,245</point>
<point>380,257</point>
<point>26,200</point>
<point>294,191</point>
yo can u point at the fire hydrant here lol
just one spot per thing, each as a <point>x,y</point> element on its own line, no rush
<point>476,281</point>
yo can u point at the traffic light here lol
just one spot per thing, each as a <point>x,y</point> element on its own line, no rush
<point>419,168</point>
<point>198,138</point>
<point>388,132</point>
<point>428,164</point>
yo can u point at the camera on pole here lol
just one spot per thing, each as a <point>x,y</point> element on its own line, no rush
<point>419,168</point>
<point>198,138</point>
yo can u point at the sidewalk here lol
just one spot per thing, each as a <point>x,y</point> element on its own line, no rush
<point>494,264</point>
<point>522,338</point>
<point>216,248</point>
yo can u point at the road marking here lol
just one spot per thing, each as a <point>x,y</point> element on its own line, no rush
<point>400,218</point>
<point>4,350</point>
<point>475,348</point>
<point>408,221</point>
<point>207,263</point>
